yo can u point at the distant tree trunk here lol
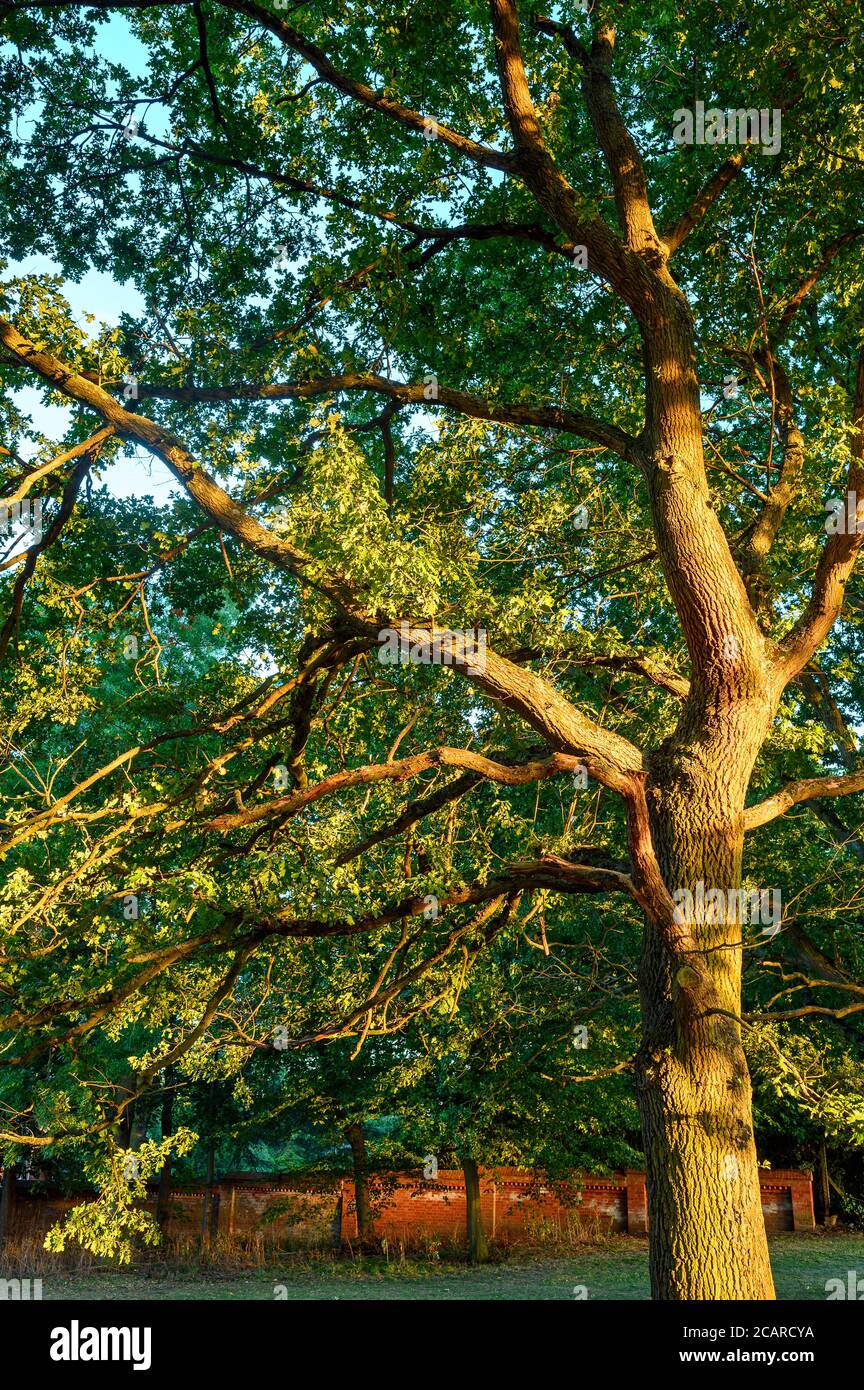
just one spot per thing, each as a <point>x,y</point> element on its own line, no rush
<point>126,1123</point>
<point>163,1199</point>
<point>128,1134</point>
<point>822,1193</point>
<point>478,1245</point>
<point>8,1194</point>
<point>362,1201</point>
<point>208,1199</point>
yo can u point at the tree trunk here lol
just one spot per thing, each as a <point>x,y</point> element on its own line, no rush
<point>478,1246</point>
<point>706,1228</point>
<point>822,1193</point>
<point>163,1200</point>
<point>208,1199</point>
<point>8,1194</point>
<point>362,1201</point>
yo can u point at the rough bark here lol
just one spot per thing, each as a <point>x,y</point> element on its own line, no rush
<point>707,1233</point>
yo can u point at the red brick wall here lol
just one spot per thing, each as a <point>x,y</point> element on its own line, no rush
<point>302,1211</point>
<point>295,1209</point>
<point>514,1204</point>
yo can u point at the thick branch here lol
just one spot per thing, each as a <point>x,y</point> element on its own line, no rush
<point>358,91</point>
<point>796,792</point>
<point>327,71</point>
<point>535,164</point>
<point>608,756</point>
<point>763,535</point>
<point>399,771</point>
<point>429,395</point>
<point>837,560</point>
<point>201,487</point>
<point>704,200</point>
<point>619,148</point>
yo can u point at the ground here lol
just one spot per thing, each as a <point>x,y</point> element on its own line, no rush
<point>615,1270</point>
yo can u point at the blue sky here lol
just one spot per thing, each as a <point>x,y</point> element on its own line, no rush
<point>105,298</point>
<point>98,294</point>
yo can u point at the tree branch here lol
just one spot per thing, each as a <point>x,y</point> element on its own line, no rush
<point>617,144</point>
<point>535,164</point>
<point>358,91</point>
<point>400,771</point>
<point>796,792</point>
<point>705,199</point>
<point>837,560</point>
<point>813,276</point>
<point>327,71</point>
<point>429,396</point>
<point>201,487</point>
<point>610,758</point>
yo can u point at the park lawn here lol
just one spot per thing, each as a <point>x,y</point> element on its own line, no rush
<point>617,1270</point>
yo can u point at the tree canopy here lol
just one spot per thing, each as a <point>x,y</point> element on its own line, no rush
<point>401,300</point>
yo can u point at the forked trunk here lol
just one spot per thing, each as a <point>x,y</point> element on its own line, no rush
<point>706,1229</point>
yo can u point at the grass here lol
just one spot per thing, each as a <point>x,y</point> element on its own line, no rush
<point>615,1269</point>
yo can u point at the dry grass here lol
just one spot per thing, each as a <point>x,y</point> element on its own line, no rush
<point>263,1249</point>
